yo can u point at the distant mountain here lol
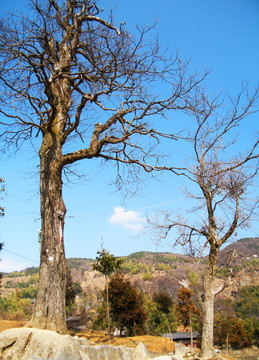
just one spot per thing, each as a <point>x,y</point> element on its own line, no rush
<point>248,247</point>
<point>169,271</point>
<point>156,271</point>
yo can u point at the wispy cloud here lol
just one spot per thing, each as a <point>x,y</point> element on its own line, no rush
<point>8,265</point>
<point>128,219</point>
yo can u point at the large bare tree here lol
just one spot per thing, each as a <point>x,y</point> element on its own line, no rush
<point>223,177</point>
<point>82,88</point>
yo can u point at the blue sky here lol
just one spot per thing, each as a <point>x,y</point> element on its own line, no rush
<point>222,36</point>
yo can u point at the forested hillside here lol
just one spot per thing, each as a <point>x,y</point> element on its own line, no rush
<point>152,273</point>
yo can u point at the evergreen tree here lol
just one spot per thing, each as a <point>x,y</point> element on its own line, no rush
<point>186,308</point>
<point>165,303</point>
<point>127,305</point>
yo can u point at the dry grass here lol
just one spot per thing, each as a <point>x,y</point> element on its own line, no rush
<point>154,344</point>
<point>9,324</point>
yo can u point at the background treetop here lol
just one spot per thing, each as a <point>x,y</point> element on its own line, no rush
<point>107,263</point>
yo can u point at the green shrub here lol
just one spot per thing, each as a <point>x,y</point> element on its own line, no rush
<point>29,292</point>
<point>148,275</point>
<point>16,274</point>
<point>9,284</point>
<point>132,267</point>
<point>14,306</point>
<point>31,271</point>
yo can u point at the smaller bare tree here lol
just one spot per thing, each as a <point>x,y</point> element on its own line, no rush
<point>223,177</point>
<point>107,264</point>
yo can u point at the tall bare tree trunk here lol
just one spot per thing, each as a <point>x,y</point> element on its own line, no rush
<point>208,320</point>
<point>207,350</point>
<point>49,311</point>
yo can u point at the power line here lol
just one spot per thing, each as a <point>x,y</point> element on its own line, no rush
<point>21,213</point>
<point>101,214</point>
<point>137,209</point>
<point>157,205</point>
<point>24,257</point>
<point>86,215</point>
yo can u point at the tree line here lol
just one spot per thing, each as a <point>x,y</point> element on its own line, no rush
<point>236,318</point>
<point>122,305</point>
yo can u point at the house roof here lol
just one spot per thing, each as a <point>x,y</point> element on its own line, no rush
<point>183,335</point>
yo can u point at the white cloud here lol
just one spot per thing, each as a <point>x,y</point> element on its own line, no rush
<point>8,265</point>
<point>127,219</point>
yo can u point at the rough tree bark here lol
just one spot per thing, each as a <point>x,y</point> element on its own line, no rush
<point>208,306</point>
<point>50,309</point>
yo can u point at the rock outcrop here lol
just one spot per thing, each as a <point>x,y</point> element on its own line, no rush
<point>35,344</point>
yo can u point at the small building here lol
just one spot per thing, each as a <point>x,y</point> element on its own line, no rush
<point>185,338</point>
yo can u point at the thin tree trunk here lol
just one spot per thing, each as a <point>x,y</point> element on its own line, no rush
<point>169,329</point>
<point>191,331</point>
<point>208,318</point>
<point>108,310</point>
<point>50,311</point>
<point>227,343</point>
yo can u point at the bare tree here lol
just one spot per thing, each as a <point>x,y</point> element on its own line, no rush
<point>223,177</point>
<point>82,88</point>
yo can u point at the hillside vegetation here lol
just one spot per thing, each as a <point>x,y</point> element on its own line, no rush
<point>150,273</point>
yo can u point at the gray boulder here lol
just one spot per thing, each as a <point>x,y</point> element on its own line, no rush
<point>35,344</point>
<point>117,352</point>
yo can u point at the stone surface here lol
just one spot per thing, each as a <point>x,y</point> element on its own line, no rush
<point>35,344</point>
<point>179,351</point>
